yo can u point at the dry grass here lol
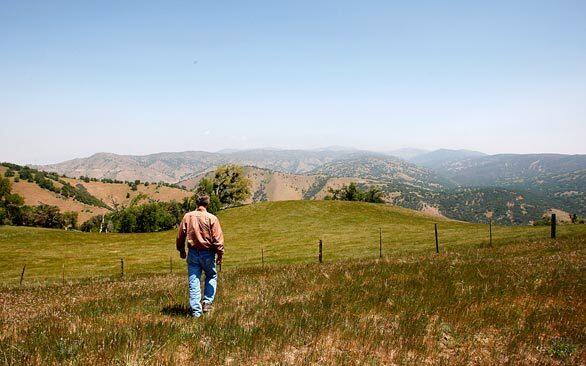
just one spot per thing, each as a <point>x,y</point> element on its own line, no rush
<point>518,303</point>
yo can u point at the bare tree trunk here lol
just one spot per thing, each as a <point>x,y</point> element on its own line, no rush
<point>102,224</point>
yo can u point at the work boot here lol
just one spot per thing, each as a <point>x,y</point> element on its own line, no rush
<point>193,314</point>
<point>207,307</point>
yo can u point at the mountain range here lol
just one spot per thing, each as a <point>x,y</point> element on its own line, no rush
<point>461,184</point>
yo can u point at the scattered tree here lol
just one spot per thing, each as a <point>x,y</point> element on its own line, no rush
<point>352,192</point>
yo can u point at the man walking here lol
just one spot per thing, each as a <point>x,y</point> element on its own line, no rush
<point>206,248</point>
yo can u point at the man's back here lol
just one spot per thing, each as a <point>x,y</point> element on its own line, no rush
<point>202,231</point>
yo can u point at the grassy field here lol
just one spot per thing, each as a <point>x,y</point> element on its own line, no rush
<point>287,231</point>
<point>517,303</point>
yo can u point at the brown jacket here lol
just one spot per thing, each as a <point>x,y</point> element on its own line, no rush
<point>202,231</point>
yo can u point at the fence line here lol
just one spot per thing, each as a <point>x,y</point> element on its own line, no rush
<point>553,226</point>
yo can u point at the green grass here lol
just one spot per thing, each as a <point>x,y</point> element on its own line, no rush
<point>288,232</point>
<point>517,303</point>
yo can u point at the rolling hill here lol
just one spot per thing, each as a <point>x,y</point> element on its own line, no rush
<point>385,170</point>
<point>552,180</point>
<point>288,231</point>
<point>102,196</point>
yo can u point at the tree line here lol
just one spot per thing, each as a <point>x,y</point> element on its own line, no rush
<point>46,181</point>
<point>227,187</point>
<point>13,211</point>
<point>353,192</point>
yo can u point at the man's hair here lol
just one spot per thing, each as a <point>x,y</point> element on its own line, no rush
<point>203,201</point>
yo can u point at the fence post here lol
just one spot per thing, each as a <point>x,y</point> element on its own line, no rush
<point>22,274</point>
<point>436,239</point>
<point>553,225</point>
<point>320,251</point>
<point>490,233</point>
<point>121,267</point>
<point>380,243</point>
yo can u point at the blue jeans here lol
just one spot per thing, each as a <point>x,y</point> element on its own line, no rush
<point>199,261</point>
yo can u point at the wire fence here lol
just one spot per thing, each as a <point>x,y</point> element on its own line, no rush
<point>172,266</point>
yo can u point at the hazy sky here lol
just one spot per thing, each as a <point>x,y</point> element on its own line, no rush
<point>136,77</point>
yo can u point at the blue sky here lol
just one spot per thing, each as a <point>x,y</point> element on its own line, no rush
<point>137,77</point>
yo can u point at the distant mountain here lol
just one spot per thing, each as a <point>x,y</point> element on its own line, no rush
<point>509,169</point>
<point>462,184</point>
<point>177,166</point>
<point>385,170</point>
<point>407,153</point>
<point>555,180</point>
<point>436,159</point>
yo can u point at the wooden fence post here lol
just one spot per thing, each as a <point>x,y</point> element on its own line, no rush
<point>490,233</point>
<point>121,267</point>
<point>436,239</point>
<point>22,274</point>
<point>553,225</point>
<point>320,251</point>
<point>380,243</point>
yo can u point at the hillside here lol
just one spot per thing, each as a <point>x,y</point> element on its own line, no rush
<point>519,302</point>
<point>519,170</point>
<point>554,180</point>
<point>288,232</point>
<point>102,197</point>
<point>384,169</point>
<point>268,185</point>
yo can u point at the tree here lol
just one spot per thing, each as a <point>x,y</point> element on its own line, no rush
<point>352,192</point>
<point>212,186</point>
<point>206,186</point>
<point>47,216</point>
<point>230,185</point>
<point>70,220</point>
<point>5,187</point>
<point>373,195</point>
<point>127,221</point>
<point>10,204</point>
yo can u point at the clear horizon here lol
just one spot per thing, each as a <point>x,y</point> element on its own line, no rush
<point>137,78</point>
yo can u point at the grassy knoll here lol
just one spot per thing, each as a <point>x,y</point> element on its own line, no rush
<point>517,303</point>
<point>288,232</point>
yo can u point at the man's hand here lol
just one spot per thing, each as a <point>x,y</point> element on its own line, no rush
<point>219,260</point>
<point>182,254</point>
